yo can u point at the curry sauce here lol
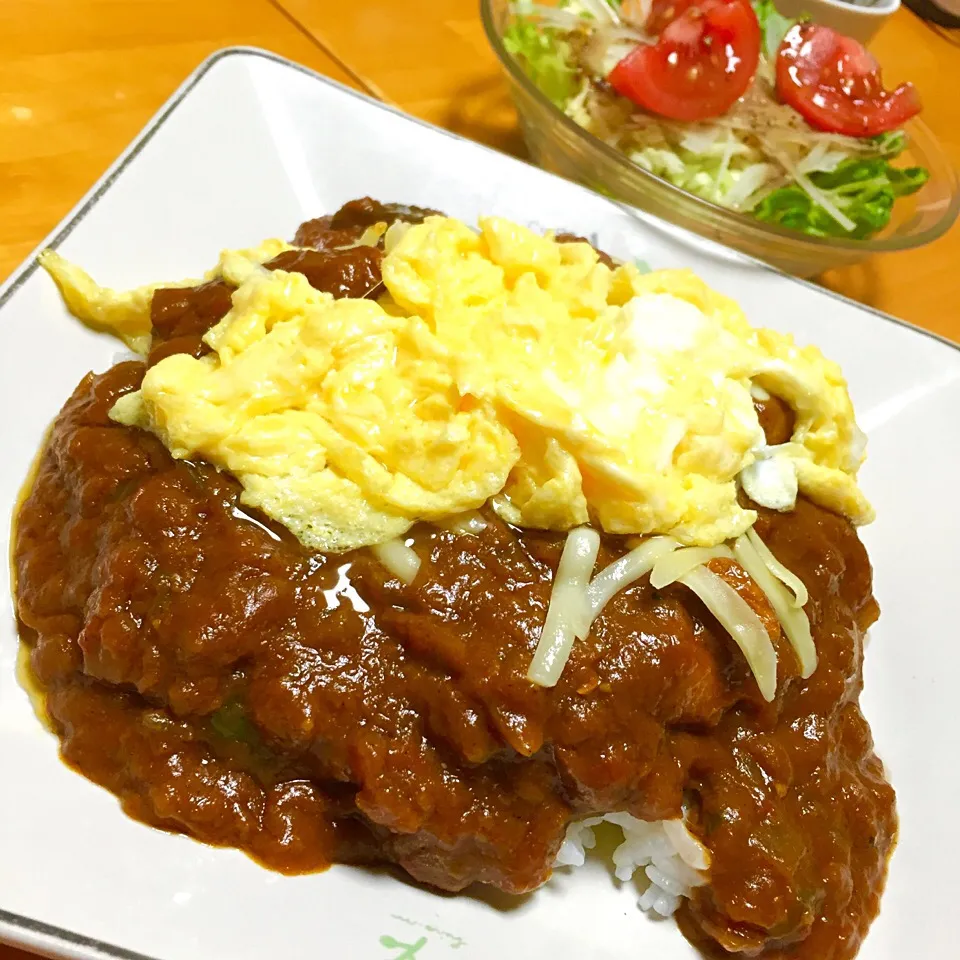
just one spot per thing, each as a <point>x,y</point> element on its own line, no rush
<point>226,682</point>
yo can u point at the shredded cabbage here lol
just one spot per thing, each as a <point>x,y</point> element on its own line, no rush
<point>760,158</point>
<point>546,57</point>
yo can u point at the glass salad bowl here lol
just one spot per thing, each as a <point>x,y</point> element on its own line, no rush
<point>559,144</point>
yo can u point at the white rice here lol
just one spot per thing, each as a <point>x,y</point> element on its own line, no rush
<point>674,862</point>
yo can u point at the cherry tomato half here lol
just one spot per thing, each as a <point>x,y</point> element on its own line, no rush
<point>702,63</point>
<point>663,12</point>
<point>836,86</point>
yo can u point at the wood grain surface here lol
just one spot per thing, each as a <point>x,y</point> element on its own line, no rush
<point>79,78</point>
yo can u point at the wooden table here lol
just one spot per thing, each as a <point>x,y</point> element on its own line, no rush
<point>78,78</point>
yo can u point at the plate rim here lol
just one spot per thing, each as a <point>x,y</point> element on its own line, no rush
<point>46,939</point>
<point>53,941</point>
<point>73,218</point>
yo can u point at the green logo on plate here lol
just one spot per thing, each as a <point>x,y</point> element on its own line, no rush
<point>408,951</point>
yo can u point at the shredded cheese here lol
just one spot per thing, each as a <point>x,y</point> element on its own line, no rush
<point>576,600</point>
<point>369,238</point>
<point>790,580</point>
<point>677,564</point>
<point>689,849</point>
<point>628,569</point>
<point>567,613</point>
<point>402,561</point>
<point>395,233</point>
<point>736,616</point>
<point>792,617</point>
<point>465,523</point>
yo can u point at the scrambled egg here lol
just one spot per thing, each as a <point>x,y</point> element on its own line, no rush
<point>499,365</point>
<point>126,314</point>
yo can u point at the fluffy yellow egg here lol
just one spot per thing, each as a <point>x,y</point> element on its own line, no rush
<point>500,365</point>
<point>126,314</point>
<point>341,422</point>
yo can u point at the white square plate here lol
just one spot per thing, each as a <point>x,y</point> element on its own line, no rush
<point>249,147</point>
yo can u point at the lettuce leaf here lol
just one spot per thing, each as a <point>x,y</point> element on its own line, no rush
<point>864,190</point>
<point>545,56</point>
<point>773,26</point>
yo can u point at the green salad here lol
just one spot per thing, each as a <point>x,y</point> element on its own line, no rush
<point>782,120</point>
